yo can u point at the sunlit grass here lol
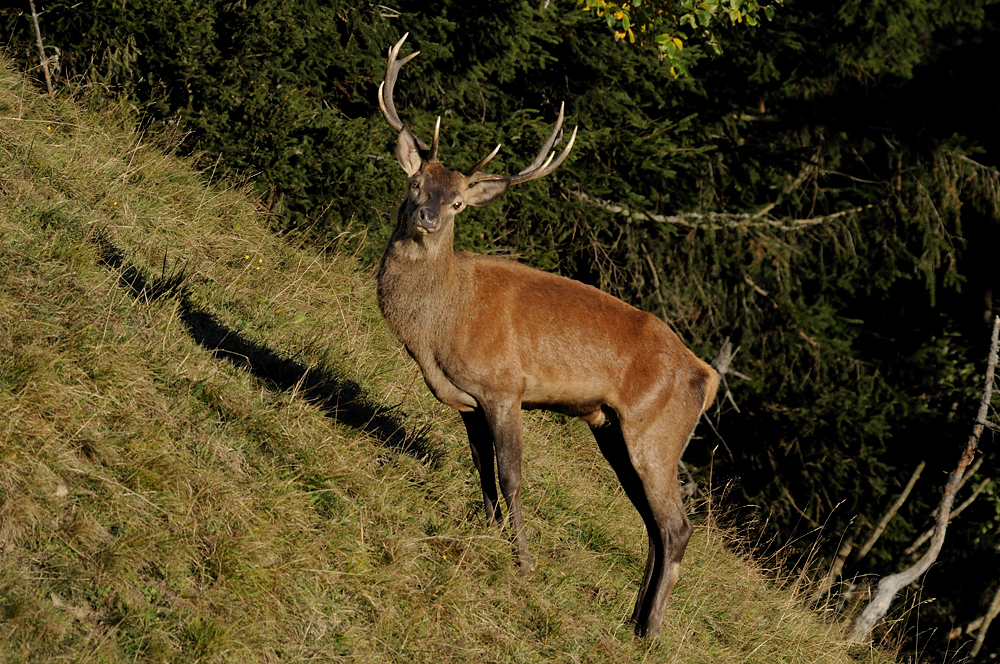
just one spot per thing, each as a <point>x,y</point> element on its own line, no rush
<point>212,450</point>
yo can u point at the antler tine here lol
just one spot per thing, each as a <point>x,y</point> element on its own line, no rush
<point>553,139</point>
<point>385,89</point>
<point>392,67</point>
<point>544,163</point>
<point>482,162</point>
<point>434,143</point>
<point>548,166</point>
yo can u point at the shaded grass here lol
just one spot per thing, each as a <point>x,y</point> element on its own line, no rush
<point>342,399</point>
<point>212,450</point>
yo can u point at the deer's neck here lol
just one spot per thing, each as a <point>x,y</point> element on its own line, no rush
<point>417,286</point>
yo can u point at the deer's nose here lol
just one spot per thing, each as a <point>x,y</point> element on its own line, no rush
<point>427,218</point>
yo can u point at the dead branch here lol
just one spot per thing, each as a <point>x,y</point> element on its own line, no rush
<point>969,628</point>
<point>717,220</point>
<point>689,487</point>
<point>721,364</point>
<point>991,613</point>
<point>955,512</point>
<point>845,549</point>
<point>891,512</point>
<point>41,49</point>
<point>975,465</point>
<point>791,501</point>
<point>889,586</point>
<point>835,570</point>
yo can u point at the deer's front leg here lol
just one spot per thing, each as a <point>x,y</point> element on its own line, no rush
<point>481,442</point>
<point>505,423</point>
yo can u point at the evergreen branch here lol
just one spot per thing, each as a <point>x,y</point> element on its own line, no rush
<point>992,172</point>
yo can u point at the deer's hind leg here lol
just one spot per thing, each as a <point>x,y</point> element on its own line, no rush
<point>612,444</point>
<point>655,449</point>
<point>644,455</point>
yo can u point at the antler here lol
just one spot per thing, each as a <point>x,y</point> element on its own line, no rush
<point>392,67</point>
<point>544,163</point>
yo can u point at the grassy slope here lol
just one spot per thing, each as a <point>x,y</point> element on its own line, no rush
<point>199,458</point>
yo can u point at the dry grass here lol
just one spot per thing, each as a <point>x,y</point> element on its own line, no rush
<point>203,456</point>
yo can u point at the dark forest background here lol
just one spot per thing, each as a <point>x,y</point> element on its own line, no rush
<point>825,193</point>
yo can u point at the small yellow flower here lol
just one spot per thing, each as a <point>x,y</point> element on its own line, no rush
<point>260,260</point>
<point>247,257</point>
<point>49,127</point>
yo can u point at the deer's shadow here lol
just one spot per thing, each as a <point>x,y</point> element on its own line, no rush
<point>341,399</point>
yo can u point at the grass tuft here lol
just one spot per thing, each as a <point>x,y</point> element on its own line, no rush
<point>211,450</point>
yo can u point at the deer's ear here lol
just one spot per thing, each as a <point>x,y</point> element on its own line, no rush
<point>408,152</point>
<point>484,192</point>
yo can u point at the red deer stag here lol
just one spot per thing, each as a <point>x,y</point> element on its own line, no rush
<point>494,337</point>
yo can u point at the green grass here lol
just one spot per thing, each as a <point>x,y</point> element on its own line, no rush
<point>212,450</point>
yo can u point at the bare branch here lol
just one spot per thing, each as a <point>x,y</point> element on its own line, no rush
<point>845,550</point>
<point>991,613</point>
<point>887,588</point>
<point>41,49</point>
<point>926,535</point>
<point>835,570</point>
<point>973,468</point>
<point>721,364</point>
<point>791,501</point>
<point>891,512</point>
<point>717,220</point>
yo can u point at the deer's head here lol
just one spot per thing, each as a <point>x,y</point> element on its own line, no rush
<point>437,194</point>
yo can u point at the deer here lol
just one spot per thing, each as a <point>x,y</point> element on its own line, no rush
<point>494,337</point>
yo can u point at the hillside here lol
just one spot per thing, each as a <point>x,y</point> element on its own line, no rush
<point>212,450</point>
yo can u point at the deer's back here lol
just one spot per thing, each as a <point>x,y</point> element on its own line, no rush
<point>565,342</point>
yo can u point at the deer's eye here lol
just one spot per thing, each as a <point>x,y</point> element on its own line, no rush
<point>457,205</point>
<point>414,185</point>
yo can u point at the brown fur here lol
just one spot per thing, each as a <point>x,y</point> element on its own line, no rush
<point>493,337</point>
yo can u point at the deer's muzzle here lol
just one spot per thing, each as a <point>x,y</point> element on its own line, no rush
<point>426,219</point>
